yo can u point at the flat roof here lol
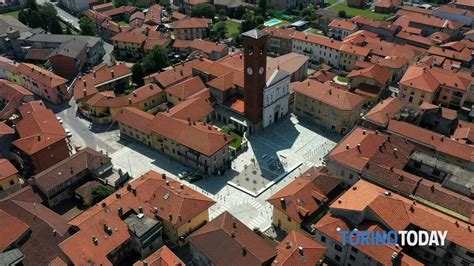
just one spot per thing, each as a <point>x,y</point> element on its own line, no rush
<point>140,224</point>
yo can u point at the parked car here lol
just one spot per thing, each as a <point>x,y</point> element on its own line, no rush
<point>184,174</point>
<point>59,120</point>
<point>68,132</point>
<point>195,178</point>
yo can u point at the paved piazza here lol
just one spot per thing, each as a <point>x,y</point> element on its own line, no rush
<point>286,144</point>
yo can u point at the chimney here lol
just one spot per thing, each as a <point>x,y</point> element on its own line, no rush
<point>95,240</point>
<point>129,187</point>
<point>112,73</point>
<point>134,191</point>
<point>72,171</point>
<point>300,250</point>
<point>163,176</point>
<point>104,204</point>
<point>94,74</point>
<point>181,186</point>
<point>181,72</point>
<point>358,147</point>
<point>129,100</point>
<point>120,211</point>
<point>170,216</point>
<point>234,223</point>
<point>167,183</point>
<point>347,146</point>
<point>145,263</point>
<point>134,94</point>
<point>240,56</point>
<point>364,132</point>
<point>54,232</point>
<point>395,151</point>
<point>117,195</point>
<point>232,234</point>
<point>244,251</point>
<point>432,188</point>
<point>282,202</point>
<point>38,137</point>
<point>140,209</point>
<point>84,83</point>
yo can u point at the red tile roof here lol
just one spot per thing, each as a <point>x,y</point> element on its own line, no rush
<point>5,129</point>
<point>196,108</point>
<point>397,212</point>
<point>342,24</point>
<point>181,205</point>
<point>201,45</point>
<point>432,140</point>
<point>162,257</point>
<point>298,249</point>
<point>429,20</point>
<point>135,118</point>
<point>88,84</point>
<point>11,230</point>
<point>323,76</point>
<point>462,55</point>
<point>30,107</point>
<point>41,75</point>
<point>186,89</point>
<point>317,39</point>
<point>37,131</point>
<point>238,245</point>
<point>384,48</point>
<point>188,23</point>
<point>6,169</point>
<point>177,73</point>
<point>340,99</point>
<point>357,148</point>
<point>108,99</point>
<point>374,72</point>
<point>304,196</point>
<point>280,32</point>
<point>194,135</point>
<point>430,79</point>
<point>384,111</point>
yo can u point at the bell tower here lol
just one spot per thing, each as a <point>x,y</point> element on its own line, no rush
<point>255,68</point>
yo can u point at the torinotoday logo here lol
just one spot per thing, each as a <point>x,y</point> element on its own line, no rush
<point>391,238</point>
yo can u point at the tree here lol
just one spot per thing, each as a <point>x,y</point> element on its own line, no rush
<point>31,5</point>
<point>228,128</point>
<point>222,15</point>
<point>342,14</point>
<point>35,19</point>
<point>101,192</point>
<point>262,7</point>
<point>119,3</point>
<point>54,26</point>
<point>219,31</point>
<point>48,13</point>
<point>205,10</point>
<point>248,22</point>
<point>138,74</point>
<point>238,12</point>
<point>87,26</point>
<point>165,3</point>
<point>68,30</point>
<point>156,60</point>
<point>23,17</point>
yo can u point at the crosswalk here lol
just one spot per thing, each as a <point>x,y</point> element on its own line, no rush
<point>249,211</point>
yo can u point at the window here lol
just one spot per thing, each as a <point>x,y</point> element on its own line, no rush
<point>470,254</point>
<point>323,239</point>
<point>353,249</point>
<point>289,219</point>
<point>351,176</point>
<point>343,173</point>
<point>417,164</point>
<point>352,258</point>
<point>337,258</point>
<point>337,247</point>
<point>436,172</point>
<point>11,182</point>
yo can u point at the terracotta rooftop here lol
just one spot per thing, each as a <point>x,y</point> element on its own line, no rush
<point>291,63</point>
<point>30,107</point>
<point>37,131</point>
<point>342,24</point>
<point>384,48</point>
<point>187,88</point>
<point>298,249</point>
<point>384,111</point>
<point>353,49</point>
<point>280,32</point>
<point>41,246</point>
<point>238,245</point>
<point>12,230</point>
<point>464,131</point>
<point>463,55</point>
<point>162,257</point>
<point>394,62</point>
<point>304,196</point>
<point>357,148</point>
<point>340,99</point>
<point>86,159</point>
<point>446,113</point>
<point>108,99</point>
<point>430,79</point>
<point>317,39</point>
<point>181,204</point>
<point>175,74</point>
<point>194,135</point>
<point>6,169</point>
<point>5,129</point>
<point>432,140</point>
<point>359,37</point>
<point>397,212</point>
<point>198,44</point>
<point>374,72</point>
<point>195,108</point>
<point>41,75</point>
<point>430,20</point>
<point>188,23</point>
<point>87,85</point>
<point>135,118</point>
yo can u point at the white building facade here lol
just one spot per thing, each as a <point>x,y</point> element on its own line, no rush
<point>275,97</point>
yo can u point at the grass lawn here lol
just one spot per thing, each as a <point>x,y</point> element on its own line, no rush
<point>330,2</point>
<point>12,14</point>
<point>342,79</point>
<point>315,31</point>
<point>352,12</point>
<point>123,23</point>
<point>232,28</point>
<point>236,141</point>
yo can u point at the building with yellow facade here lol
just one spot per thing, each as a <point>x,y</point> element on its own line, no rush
<point>370,82</point>
<point>335,109</point>
<point>8,176</point>
<point>298,204</point>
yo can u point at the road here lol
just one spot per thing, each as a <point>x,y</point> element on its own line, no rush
<point>335,4</point>
<point>63,15</point>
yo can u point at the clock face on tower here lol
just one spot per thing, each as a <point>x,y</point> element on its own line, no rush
<point>249,70</point>
<point>260,71</point>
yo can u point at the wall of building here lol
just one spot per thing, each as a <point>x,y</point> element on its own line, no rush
<point>285,223</point>
<point>8,182</point>
<point>275,101</point>
<point>316,52</point>
<point>48,157</point>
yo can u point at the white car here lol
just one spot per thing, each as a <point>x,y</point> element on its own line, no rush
<point>59,120</point>
<point>68,132</point>
<point>184,174</point>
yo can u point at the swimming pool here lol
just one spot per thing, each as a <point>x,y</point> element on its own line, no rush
<point>272,22</point>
